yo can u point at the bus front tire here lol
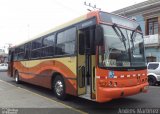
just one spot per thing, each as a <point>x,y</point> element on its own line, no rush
<point>59,87</point>
<point>17,77</point>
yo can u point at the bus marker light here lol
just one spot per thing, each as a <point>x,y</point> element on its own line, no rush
<point>122,76</point>
<point>128,76</point>
<point>115,76</point>
<point>134,75</point>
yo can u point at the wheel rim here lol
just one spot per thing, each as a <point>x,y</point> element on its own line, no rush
<point>59,88</point>
<point>16,78</point>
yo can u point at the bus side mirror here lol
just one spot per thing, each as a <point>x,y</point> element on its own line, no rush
<point>81,44</point>
<point>99,35</point>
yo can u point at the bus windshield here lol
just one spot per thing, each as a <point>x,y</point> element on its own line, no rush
<point>121,48</point>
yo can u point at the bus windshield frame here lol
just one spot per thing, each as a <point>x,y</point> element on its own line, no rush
<point>123,45</point>
<point>109,18</point>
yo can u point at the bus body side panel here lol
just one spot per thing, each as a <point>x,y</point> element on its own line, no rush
<point>39,72</point>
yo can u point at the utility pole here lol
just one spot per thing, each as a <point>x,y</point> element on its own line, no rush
<point>91,6</point>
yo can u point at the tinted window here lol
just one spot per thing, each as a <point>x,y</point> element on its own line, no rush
<point>48,46</point>
<point>66,42</point>
<point>27,51</point>
<point>20,56</point>
<point>15,57</point>
<point>48,51</point>
<point>49,40</point>
<point>111,18</point>
<point>36,53</point>
<point>70,34</point>
<point>37,43</point>
<point>19,49</point>
<point>19,53</point>
<point>36,48</point>
<point>61,38</point>
<point>16,50</point>
<point>153,66</point>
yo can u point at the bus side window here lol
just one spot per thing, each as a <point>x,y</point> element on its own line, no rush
<point>66,41</point>
<point>19,53</point>
<point>27,51</point>
<point>36,48</point>
<point>48,46</point>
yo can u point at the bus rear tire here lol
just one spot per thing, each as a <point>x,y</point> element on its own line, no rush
<point>17,77</point>
<point>59,88</point>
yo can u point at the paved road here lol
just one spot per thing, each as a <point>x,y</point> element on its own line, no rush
<point>151,99</point>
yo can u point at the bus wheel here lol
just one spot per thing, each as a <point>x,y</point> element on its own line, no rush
<point>59,88</point>
<point>17,77</point>
<point>152,80</point>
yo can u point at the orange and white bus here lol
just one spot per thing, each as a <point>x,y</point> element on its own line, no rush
<point>98,56</point>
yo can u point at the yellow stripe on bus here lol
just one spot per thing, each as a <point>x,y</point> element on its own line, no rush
<point>70,62</point>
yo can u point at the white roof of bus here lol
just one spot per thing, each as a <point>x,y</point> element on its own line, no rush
<point>74,21</point>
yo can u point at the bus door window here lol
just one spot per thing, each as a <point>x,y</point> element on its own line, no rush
<point>89,51</point>
<point>85,44</point>
<point>87,54</point>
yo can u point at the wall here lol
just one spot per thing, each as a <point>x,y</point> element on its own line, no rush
<point>153,52</point>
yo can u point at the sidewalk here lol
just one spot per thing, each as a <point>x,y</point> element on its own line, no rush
<point>16,98</point>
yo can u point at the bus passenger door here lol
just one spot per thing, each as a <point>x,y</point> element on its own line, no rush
<point>86,63</point>
<point>10,63</point>
<point>81,70</point>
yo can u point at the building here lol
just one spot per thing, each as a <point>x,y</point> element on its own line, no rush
<point>3,55</point>
<point>2,51</point>
<point>147,14</point>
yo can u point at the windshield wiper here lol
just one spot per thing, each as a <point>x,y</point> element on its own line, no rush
<point>133,37</point>
<point>121,35</point>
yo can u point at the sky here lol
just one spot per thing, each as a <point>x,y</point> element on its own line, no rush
<point>20,20</point>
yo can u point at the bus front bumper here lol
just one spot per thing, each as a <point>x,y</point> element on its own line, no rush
<point>107,94</point>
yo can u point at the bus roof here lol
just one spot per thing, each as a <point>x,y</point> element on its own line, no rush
<point>72,22</point>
